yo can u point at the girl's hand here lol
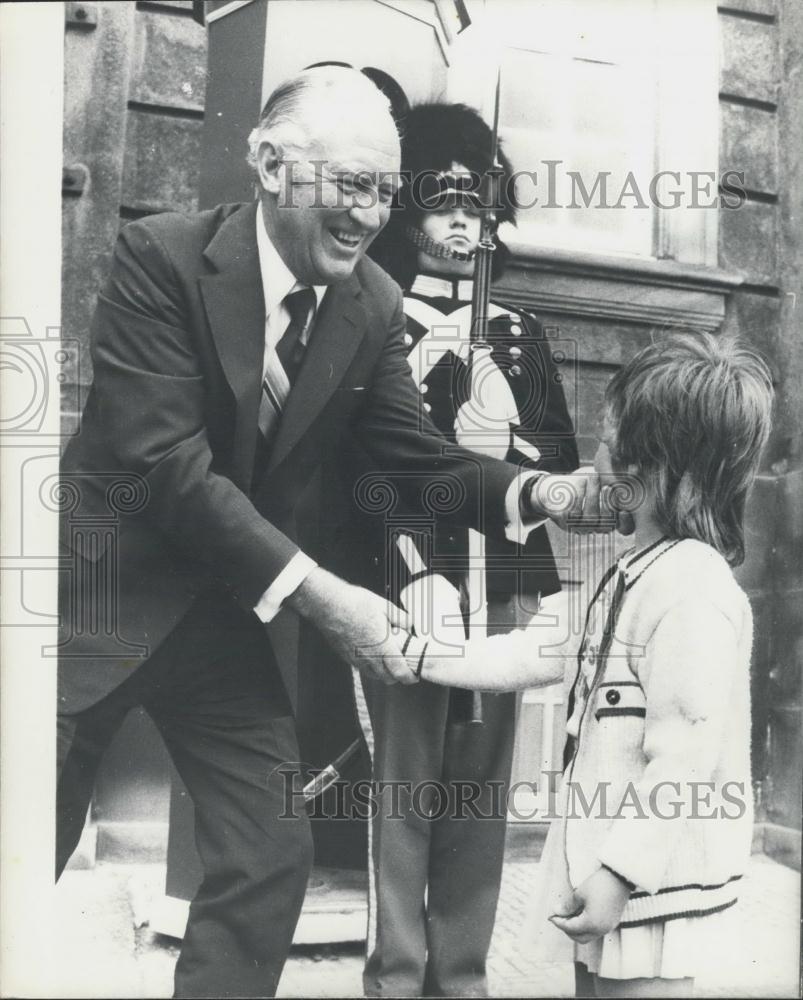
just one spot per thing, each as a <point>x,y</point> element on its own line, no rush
<point>596,907</point>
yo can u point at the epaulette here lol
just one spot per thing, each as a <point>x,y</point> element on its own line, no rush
<point>526,322</point>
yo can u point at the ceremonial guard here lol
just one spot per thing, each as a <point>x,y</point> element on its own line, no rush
<point>436,861</point>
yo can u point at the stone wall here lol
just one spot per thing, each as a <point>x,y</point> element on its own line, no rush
<point>761,102</point>
<point>135,82</point>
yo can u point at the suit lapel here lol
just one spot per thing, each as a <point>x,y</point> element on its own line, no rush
<point>336,335</point>
<point>235,308</point>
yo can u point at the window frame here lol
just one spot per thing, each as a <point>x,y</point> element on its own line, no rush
<point>685,124</point>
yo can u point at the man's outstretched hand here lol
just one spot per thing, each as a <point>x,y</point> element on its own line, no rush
<point>574,501</point>
<point>365,630</point>
<point>587,501</point>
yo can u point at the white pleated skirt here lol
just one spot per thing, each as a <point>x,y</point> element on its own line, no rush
<point>670,949</point>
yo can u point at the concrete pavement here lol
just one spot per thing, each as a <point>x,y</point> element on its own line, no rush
<point>108,949</point>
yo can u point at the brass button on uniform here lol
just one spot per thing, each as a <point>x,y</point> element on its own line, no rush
<point>515,329</point>
<point>613,697</point>
<point>408,339</point>
<point>515,352</point>
<point>515,370</point>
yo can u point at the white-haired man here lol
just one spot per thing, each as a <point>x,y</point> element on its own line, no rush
<point>231,350</point>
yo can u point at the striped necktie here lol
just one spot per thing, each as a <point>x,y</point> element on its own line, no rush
<point>283,366</point>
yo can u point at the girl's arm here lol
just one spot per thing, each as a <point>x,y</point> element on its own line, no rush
<point>531,656</point>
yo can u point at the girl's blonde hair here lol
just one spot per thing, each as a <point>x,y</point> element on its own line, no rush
<point>692,414</point>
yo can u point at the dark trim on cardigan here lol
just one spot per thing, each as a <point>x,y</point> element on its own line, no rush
<point>645,551</point>
<point>654,559</point>
<point>603,712</point>
<point>677,916</point>
<point>626,881</point>
<point>691,885</point>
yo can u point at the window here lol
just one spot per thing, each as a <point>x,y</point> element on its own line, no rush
<point>596,100</point>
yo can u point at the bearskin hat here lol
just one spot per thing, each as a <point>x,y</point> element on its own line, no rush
<point>434,138</point>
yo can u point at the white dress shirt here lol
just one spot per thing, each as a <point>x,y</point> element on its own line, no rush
<point>277,282</point>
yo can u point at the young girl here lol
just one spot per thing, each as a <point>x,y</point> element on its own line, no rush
<point>657,814</point>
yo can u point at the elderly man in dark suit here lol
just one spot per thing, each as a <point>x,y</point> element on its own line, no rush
<point>231,351</point>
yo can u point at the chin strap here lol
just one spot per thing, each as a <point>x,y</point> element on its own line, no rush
<point>433,247</point>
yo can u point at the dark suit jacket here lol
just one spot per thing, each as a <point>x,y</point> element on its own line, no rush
<point>159,503</point>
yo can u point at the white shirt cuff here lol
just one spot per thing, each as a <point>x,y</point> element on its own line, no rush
<point>518,528</point>
<point>290,579</point>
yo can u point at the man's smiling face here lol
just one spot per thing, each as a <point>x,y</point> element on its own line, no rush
<point>331,201</point>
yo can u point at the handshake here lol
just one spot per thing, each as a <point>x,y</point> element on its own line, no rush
<point>375,636</point>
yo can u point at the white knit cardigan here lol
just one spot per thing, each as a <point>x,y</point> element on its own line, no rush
<point>663,743</point>
<point>665,731</point>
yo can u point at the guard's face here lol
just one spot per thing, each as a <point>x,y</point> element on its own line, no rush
<point>457,225</point>
<point>332,201</point>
